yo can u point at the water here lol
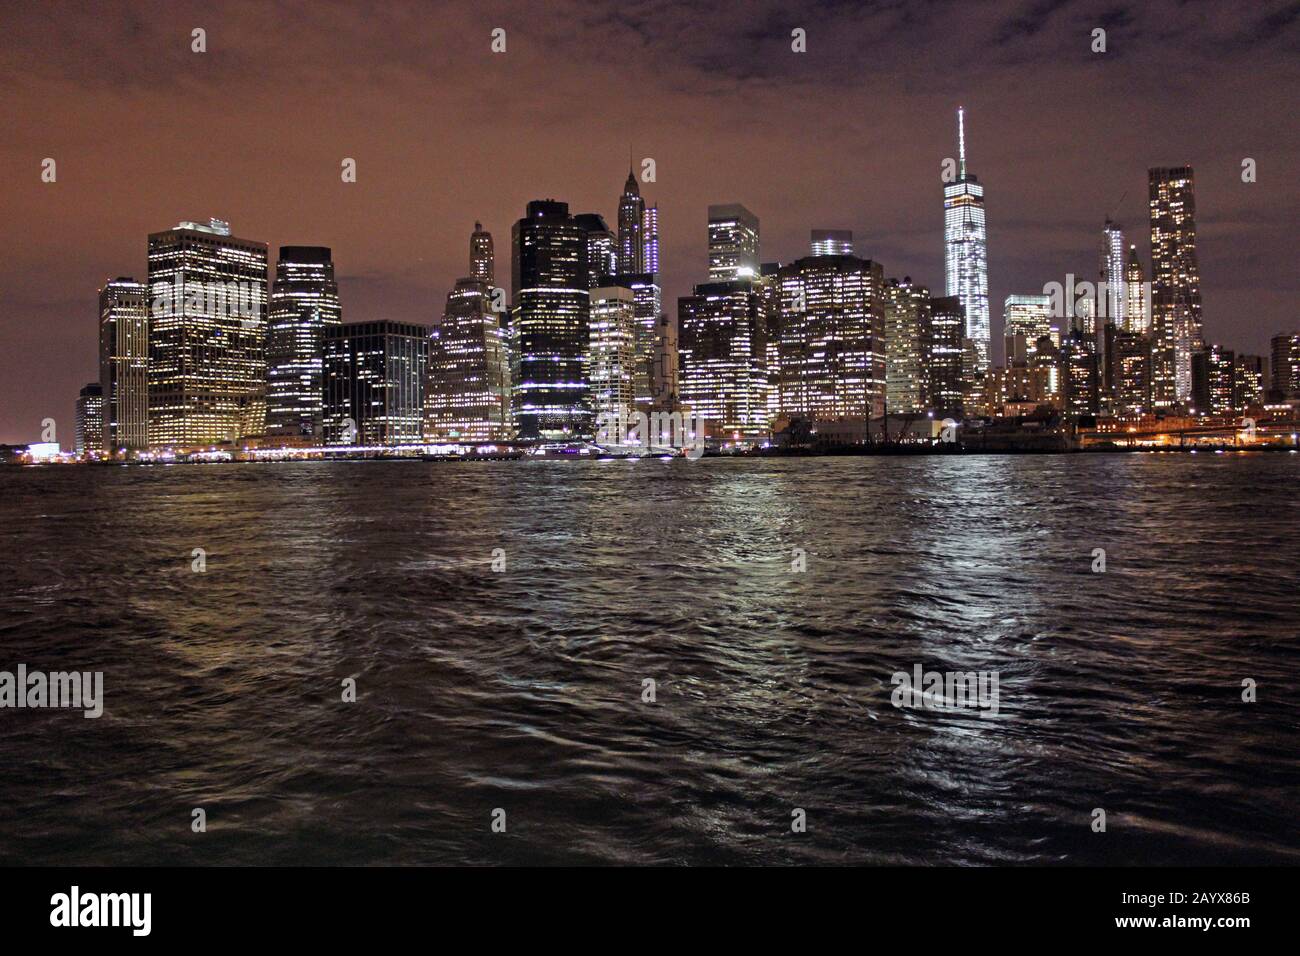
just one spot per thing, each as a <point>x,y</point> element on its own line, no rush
<point>522,689</point>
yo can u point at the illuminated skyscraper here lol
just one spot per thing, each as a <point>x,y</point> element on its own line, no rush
<point>1137,308</point>
<point>375,376</point>
<point>482,259</point>
<point>650,232</point>
<point>648,333</point>
<point>1214,381</point>
<point>124,365</point>
<point>207,336</point>
<point>1026,319</point>
<point>1247,381</point>
<point>768,287</point>
<point>1175,285</point>
<point>1284,365</point>
<point>1080,374</point>
<point>468,396</point>
<point>90,420</point>
<point>733,243</point>
<point>832,338</point>
<point>304,302</point>
<point>1113,269</point>
<point>947,335</point>
<point>1129,366</point>
<point>631,228</point>
<point>602,248</point>
<point>965,245</point>
<point>907,338</point>
<point>550,324</point>
<point>832,242</point>
<point>722,375</point>
<point>612,359</point>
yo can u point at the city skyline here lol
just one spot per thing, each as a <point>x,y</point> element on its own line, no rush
<point>888,196</point>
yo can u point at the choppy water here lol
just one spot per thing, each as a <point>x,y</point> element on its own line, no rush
<point>522,689</point>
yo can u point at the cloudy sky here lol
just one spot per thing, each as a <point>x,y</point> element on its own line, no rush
<point>849,135</point>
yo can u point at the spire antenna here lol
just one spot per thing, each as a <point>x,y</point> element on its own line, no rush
<point>961,138</point>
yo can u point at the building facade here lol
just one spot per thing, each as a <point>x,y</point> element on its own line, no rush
<point>966,248</point>
<point>947,339</point>
<point>1025,320</point>
<point>304,303</point>
<point>468,394</point>
<point>631,228</point>
<point>1113,272</point>
<point>550,324</point>
<point>207,336</point>
<point>1284,365</point>
<point>482,257</point>
<point>832,338</point>
<point>722,375</point>
<point>124,366</point>
<point>613,359</point>
<point>1214,390</point>
<point>375,375</point>
<point>1137,307</point>
<point>1175,285</point>
<point>733,243</point>
<point>907,347</point>
<point>89,434</point>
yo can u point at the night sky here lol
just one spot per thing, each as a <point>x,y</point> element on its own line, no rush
<point>850,135</point>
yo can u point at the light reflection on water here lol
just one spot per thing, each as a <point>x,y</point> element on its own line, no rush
<point>523,689</point>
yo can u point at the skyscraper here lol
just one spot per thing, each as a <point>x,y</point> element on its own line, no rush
<point>965,246</point>
<point>648,333</point>
<point>90,420</point>
<point>1080,374</point>
<point>722,376</point>
<point>468,395</point>
<point>602,248</point>
<point>482,259</point>
<point>1247,381</point>
<point>907,338</point>
<point>124,365</point>
<point>1214,381</point>
<point>1137,307</point>
<point>612,359</point>
<point>631,228</point>
<point>1025,319</point>
<point>1175,284</point>
<point>1113,271</point>
<point>1284,365</point>
<point>832,242</point>
<point>832,338</point>
<point>947,335</point>
<point>650,232</point>
<point>304,302</point>
<point>550,324</point>
<point>1129,365</point>
<point>375,375</point>
<point>733,243</point>
<point>207,336</point>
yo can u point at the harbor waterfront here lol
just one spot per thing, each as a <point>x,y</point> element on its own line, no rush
<point>500,622</point>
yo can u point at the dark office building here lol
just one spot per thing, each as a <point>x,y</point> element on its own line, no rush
<point>1213,381</point>
<point>375,374</point>
<point>947,346</point>
<point>550,324</point>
